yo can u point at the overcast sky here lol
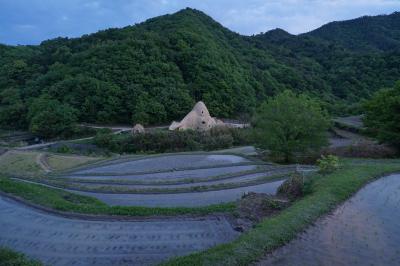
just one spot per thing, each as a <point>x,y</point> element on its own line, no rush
<point>32,21</point>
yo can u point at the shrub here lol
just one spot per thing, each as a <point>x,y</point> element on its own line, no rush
<point>363,150</point>
<point>328,164</point>
<point>292,188</point>
<point>170,141</point>
<point>103,138</point>
<point>382,118</point>
<point>63,149</point>
<point>10,257</point>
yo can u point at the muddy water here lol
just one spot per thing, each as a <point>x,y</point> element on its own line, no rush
<point>363,231</point>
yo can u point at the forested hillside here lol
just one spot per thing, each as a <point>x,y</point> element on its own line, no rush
<point>153,72</point>
<point>378,33</point>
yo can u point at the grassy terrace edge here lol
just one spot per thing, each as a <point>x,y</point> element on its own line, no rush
<point>195,188</point>
<point>66,202</point>
<point>12,258</point>
<point>323,194</point>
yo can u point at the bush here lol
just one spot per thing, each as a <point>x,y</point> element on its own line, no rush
<point>10,257</point>
<point>328,164</point>
<point>103,138</point>
<point>171,141</point>
<point>382,118</point>
<point>363,150</point>
<point>63,149</point>
<point>292,188</point>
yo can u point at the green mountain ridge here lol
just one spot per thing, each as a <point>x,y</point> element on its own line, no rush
<point>366,34</point>
<point>153,72</point>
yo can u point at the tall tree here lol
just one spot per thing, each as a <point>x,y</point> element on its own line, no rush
<point>382,115</point>
<point>49,118</point>
<point>288,123</point>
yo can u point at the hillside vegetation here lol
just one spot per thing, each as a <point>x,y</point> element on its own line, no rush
<point>155,71</point>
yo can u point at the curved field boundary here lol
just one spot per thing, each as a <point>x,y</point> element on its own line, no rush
<point>162,171</point>
<point>41,160</point>
<point>181,181</point>
<point>128,158</point>
<point>57,240</point>
<point>107,190</point>
<point>191,180</point>
<point>111,217</point>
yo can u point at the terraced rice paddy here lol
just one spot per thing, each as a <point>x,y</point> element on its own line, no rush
<point>176,180</point>
<point>63,241</point>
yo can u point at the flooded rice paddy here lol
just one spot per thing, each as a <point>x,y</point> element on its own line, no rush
<point>365,230</point>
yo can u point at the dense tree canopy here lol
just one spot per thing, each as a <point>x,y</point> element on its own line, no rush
<point>49,118</point>
<point>155,71</point>
<point>288,123</point>
<point>382,116</point>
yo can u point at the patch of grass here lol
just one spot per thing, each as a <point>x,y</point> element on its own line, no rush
<point>60,162</point>
<point>323,194</point>
<point>12,258</point>
<point>65,201</point>
<point>16,162</point>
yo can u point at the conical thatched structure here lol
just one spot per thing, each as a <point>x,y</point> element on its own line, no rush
<point>198,119</point>
<point>138,129</point>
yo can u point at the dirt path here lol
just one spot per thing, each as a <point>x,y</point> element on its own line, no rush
<point>41,160</point>
<point>62,241</point>
<point>363,231</point>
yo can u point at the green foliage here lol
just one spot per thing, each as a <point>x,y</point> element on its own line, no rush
<point>69,202</point>
<point>172,141</point>
<point>49,118</point>
<point>103,138</point>
<point>328,164</point>
<point>12,258</point>
<point>382,115</point>
<point>292,188</point>
<point>64,149</point>
<point>366,33</point>
<point>153,72</point>
<point>289,124</point>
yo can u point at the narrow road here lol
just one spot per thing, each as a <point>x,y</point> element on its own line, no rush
<point>365,230</point>
<point>62,241</point>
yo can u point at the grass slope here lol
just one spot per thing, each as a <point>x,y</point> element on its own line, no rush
<point>323,194</point>
<point>68,202</point>
<point>12,258</point>
<point>63,162</point>
<point>18,162</point>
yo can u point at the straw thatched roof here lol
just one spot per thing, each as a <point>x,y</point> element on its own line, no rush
<point>138,129</point>
<point>197,119</point>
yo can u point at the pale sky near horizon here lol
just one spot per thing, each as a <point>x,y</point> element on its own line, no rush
<point>32,21</point>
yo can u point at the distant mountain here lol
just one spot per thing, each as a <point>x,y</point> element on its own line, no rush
<point>368,33</point>
<point>276,35</point>
<point>154,71</point>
